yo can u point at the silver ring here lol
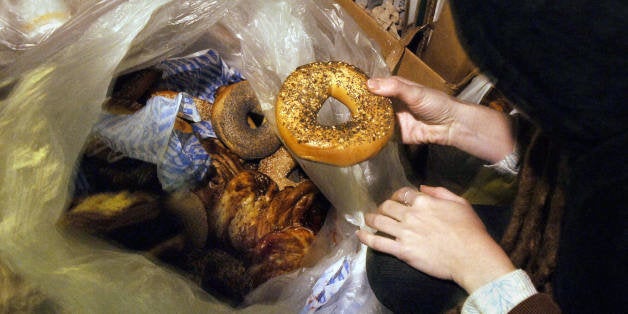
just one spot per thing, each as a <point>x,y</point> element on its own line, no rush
<point>405,198</point>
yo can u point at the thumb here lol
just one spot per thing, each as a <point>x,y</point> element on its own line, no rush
<point>406,91</point>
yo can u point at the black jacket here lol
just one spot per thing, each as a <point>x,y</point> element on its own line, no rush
<point>563,63</point>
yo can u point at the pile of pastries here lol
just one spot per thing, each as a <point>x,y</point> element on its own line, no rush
<point>248,220</point>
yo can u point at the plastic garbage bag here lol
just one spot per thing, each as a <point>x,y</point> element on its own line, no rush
<point>51,97</point>
<point>24,24</point>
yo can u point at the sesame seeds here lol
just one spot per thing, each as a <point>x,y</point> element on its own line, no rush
<point>304,92</point>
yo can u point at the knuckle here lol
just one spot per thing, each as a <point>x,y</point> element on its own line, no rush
<point>395,84</point>
<point>368,219</point>
<point>386,206</point>
<point>377,242</point>
<point>416,95</point>
<point>411,217</point>
<point>377,221</point>
<point>404,253</point>
<point>367,238</point>
<point>419,199</point>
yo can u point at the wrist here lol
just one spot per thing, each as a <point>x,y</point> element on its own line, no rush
<point>491,264</point>
<point>482,132</point>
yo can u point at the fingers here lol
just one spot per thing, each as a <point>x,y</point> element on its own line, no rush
<point>405,80</point>
<point>392,212</point>
<point>391,83</point>
<point>442,193</point>
<point>391,86</point>
<point>377,242</point>
<point>382,223</point>
<point>402,208</point>
<point>406,202</point>
<point>406,91</point>
<point>405,196</point>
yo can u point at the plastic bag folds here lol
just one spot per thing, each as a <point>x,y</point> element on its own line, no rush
<point>51,94</point>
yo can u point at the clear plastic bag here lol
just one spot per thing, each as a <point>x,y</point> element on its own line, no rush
<point>24,24</point>
<point>51,97</point>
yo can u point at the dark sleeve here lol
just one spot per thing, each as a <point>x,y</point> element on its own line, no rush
<point>537,303</point>
<point>590,275</point>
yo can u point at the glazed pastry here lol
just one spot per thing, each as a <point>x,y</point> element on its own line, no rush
<point>103,212</point>
<point>280,252</point>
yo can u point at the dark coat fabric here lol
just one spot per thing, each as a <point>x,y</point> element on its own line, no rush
<point>563,63</point>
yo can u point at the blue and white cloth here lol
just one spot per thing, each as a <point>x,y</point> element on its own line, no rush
<point>328,285</point>
<point>500,295</point>
<point>199,75</point>
<point>185,162</point>
<point>149,134</point>
<point>143,135</point>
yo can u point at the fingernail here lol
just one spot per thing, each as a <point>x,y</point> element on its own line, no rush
<point>373,83</point>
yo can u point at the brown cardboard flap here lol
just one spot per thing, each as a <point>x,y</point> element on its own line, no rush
<point>444,52</point>
<point>414,69</point>
<point>400,60</point>
<point>391,48</point>
<point>412,33</point>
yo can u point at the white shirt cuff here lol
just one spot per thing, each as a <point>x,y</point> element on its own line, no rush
<point>508,165</point>
<point>500,295</point>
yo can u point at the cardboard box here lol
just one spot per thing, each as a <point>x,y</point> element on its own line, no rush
<point>447,68</point>
<point>445,54</point>
<point>400,60</point>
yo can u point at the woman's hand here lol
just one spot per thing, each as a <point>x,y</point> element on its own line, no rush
<point>426,115</point>
<point>437,232</point>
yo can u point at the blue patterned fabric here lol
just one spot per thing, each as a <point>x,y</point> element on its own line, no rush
<point>203,130</point>
<point>149,134</point>
<point>327,285</point>
<point>184,162</point>
<point>143,135</point>
<point>187,109</point>
<point>500,295</point>
<point>199,75</point>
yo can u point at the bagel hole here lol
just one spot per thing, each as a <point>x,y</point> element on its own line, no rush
<point>333,112</point>
<point>254,120</point>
